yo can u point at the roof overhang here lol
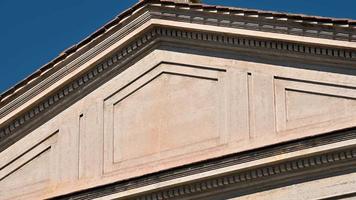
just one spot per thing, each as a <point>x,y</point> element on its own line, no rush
<point>151,23</point>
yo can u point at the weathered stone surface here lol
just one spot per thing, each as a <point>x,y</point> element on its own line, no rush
<point>175,114</point>
<point>157,99</point>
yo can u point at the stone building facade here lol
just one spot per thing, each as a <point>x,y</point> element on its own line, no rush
<point>182,100</point>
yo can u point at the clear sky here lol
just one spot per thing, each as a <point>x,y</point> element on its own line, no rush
<point>33,32</point>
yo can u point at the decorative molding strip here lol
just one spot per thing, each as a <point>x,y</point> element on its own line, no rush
<point>257,20</point>
<point>338,29</point>
<point>127,17</point>
<point>178,35</point>
<point>311,165</point>
<point>344,196</point>
<point>311,26</point>
<point>241,178</point>
<point>255,43</point>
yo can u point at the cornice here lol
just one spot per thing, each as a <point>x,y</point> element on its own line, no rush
<point>76,63</point>
<point>239,180</point>
<point>118,22</point>
<point>256,20</point>
<point>267,21</point>
<point>287,171</point>
<point>161,33</point>
<point>70,88</point>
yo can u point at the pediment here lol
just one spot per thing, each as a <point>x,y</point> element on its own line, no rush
<point>108,63</point>
<point>157,93</point>
<point>132,34</point>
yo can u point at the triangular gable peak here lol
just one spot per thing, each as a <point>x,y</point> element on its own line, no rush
<point>167,84</point>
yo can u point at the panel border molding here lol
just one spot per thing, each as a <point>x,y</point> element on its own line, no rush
<point>212,74</point>
<point>282,85</point>
<point>46,145</point>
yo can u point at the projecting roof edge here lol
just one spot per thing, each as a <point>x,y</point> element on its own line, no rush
<point>341,29</point>
<point>145,23</point>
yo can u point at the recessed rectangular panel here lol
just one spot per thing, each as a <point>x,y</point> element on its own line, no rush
<point>303,104</point>
<point>169,112</point>
<point>32,173</point>
<point>190,113</point>
<point>29,173</point>
<point>137,122</point>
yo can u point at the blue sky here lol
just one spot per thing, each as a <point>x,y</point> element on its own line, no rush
<point>34,32</point>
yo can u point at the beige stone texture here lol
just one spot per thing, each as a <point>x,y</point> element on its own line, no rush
<point>155,116</point>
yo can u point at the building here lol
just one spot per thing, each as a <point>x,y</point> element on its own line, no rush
<point>181,100</point>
